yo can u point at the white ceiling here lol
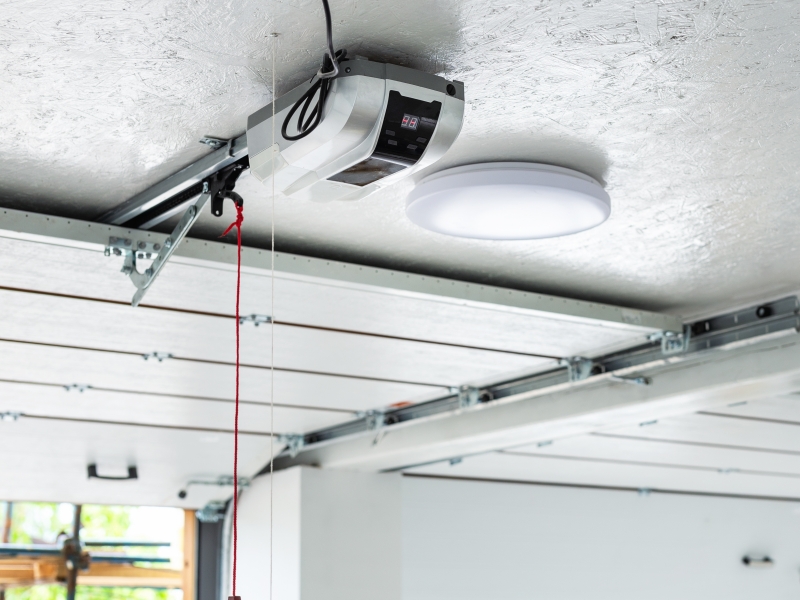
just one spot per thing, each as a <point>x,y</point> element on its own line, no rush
<point>685,109</point>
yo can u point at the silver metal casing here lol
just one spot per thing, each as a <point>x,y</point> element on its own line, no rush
<point>348,156</point>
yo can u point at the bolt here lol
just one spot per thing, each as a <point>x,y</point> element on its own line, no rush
<point>117,252</point>
<point>140,255</point>
<point>347,70</point>
<point>149,272</point>
<point>148,255</point>
<point>127,242</point>
<point>107,251</point>
<point>142,245</point>
<point>156,247</point>
<point>168,243</point>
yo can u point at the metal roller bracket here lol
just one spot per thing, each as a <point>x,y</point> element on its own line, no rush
<point>132,250</point>
<point>673,342</point>
<point>578,367</point>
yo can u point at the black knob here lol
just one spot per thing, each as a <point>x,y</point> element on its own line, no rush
<point>451,89</point>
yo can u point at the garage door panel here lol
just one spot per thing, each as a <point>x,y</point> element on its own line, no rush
<point>719,430</point>
<point>100,325</point>
<point>164,411</point>
<point>125,372</point>
<point>785,408</point>
<point>618,449</point>
<point>187,285</point>
<point>544,469</point>
<point>46,461</point>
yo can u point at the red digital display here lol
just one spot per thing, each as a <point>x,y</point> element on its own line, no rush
<point>409,122</point>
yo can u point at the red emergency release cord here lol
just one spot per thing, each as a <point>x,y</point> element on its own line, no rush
<point>238,224</point>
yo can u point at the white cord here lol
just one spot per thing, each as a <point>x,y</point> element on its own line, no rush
<point>272,326</point>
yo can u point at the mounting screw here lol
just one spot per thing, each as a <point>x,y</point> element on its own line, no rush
<point>142,245</point>
<point>127,242</point>
<point>182,494</point>
<point>762,312</point>
<point>149,272</point>
<point>451,89</point>
<point>168,243</point>
<point>347,70</point>
<point>156,247</point>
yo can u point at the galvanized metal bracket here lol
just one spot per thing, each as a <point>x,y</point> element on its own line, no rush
<point>80,387</point>
<point>213,512</point>
<point>255,319</point>
<point>294,442</point>
<point>468,396</point>
<point>133,250</point>
<point>673,342</point>
<point>578,367</point>
<point>159,356</point>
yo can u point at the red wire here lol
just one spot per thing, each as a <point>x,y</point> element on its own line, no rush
<point>238,224</point>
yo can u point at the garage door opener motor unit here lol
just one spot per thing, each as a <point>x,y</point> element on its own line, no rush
<point>379,123</point>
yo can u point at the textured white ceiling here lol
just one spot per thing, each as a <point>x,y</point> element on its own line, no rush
<point>687,110</point>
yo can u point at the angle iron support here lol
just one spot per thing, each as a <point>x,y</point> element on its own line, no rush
<point>132,249</point>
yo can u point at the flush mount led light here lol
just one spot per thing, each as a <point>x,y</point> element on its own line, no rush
<point>508,201</point>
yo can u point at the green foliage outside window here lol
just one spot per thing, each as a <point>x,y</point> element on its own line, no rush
<point>42,522</point>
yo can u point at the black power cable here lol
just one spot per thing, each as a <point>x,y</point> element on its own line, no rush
<point>319,88</point>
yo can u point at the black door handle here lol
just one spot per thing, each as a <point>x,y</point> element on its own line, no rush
<point>92,470</point>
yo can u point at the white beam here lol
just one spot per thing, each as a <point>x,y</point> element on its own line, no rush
<point>770,367</point>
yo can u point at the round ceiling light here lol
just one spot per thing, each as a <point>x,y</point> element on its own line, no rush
<point>508,201</point>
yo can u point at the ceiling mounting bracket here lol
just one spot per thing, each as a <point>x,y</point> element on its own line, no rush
<point>217,143</point>
<point>578,367</point>
<point>216,188</point>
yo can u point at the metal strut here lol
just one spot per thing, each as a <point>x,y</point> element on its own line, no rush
<point>216,188</point>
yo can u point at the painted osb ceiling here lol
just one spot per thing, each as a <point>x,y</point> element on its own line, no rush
<point>686,110</point>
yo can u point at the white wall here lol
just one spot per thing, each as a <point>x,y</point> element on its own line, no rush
<point>468,540</point>
<point>336,536</point>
